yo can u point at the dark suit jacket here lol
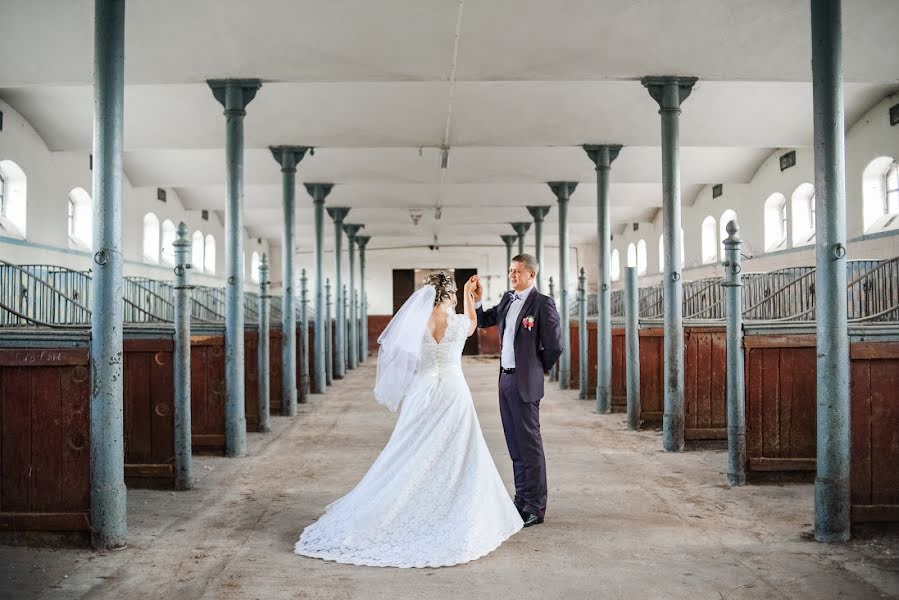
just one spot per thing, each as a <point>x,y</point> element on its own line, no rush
<point>537,349</point>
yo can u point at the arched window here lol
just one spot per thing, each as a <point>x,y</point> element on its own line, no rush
<point>169,235</point>
<point>803,202</point>
<point>662,251</point>
<point>151,238</point>
<point>709,240</point>
<point>775,222</point>
<point>209,255</point>
<point>13,191</point>
<point>726,217</point>
<point>80,216</point>
<point>255,261</point>
<point>891,202</point>
<point>880,194</point>
<point>616,265</point>
<point>196,251</point>
<point>641,257</point>
<point>631,255</point>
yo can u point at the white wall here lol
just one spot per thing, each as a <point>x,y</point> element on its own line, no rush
<point>870,137</point>
<point>52,175</point>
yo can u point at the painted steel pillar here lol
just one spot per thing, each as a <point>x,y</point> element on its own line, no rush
<point>508,240</point>
<point>832,489</point>
<point>234,95</point>
<point>329,335</point>
<point>353,330</point>
<point>670,92</point>
<point>563,191</point>
<point>181,361</point>
<point>554,372</point>
<point>303,395</point>
<point>521,229</point>
<point>262,354</point>
<point>539,214</point>
<point>733,306</point>
<point>362,242</point>
<point>338,213</point>
<point>319,191</point>
<point>603,156</point>
<point>583,348</point>
<point>107,443</point>
<point>632,346</point>
<point>345,317</point>
<point>288,157</point>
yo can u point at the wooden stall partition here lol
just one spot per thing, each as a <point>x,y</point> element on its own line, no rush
<point>376,326</point>
<point>274,372</point>
<point>149,415</point>
<point>251,376</point>
<point>207,392</point>
<point>652,376</point>
<point>875,431</point>
<point>45,437</point>
<point>574,383</point>
<point>619,370</point>
<point>488,341</point>
<point>705,382</point>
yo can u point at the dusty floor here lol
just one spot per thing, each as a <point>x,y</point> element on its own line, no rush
<point>625,521</point>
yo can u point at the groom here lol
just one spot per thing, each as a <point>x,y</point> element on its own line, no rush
<point>531,343</point>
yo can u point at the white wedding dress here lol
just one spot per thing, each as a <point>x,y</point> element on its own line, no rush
<point>433,497</point>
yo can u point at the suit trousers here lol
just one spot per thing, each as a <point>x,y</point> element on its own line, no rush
<point>521,425</point>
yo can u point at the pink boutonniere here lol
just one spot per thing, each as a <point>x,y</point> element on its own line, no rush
<point>528,322</point>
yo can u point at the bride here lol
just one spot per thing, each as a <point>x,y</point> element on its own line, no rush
<point>433,497</point>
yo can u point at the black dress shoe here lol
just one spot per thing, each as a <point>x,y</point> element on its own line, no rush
<point>530,519</point>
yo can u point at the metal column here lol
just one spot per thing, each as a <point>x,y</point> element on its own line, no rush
<point>521,229</point>
<point>345,317</point>
<point>362,241</point>
<point>539,213</point>
<point>583,347</point>
<point>563,191</point>
<point>181,361</point>
<point>832,492</point>
<point>319,191</point>
<point>288,157</point>
<point>632,346</point>
<point>603,156</point>
<point>262,354</point>
<point>329,335</point>
<point>234,95</point>
<point>108,498</point>
<point>554,372</point>
<point>304,338</point>
<point>353,331</point>
<point>508,240</point>
<point>338,213</point>
<point>670,92</point>
<point>733,305</point>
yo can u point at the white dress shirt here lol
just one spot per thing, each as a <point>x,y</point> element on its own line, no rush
<point>507,358</point>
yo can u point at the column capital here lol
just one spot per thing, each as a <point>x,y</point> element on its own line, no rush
<point>521,227</point>
<point>733,235</point>
<point>289,156</point>
<point>234,94</point>
<point>338,213</point>
<point>538,212</point>
<point>362,241</point>
<point>319,191</point>
<point>669,90</point>
<point>509,239</point>
<point>562,189</point>
<point>182,240</point>
<point>602,155</point>
<point>351,229</point>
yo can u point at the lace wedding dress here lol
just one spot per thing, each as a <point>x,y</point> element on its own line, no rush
<point>433,497</point>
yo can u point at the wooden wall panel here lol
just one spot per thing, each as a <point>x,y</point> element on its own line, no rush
<point>619,371</point>
<point>251,378</point>
<point>44,440</point>
<point>207,390</point>
<point>705,383</point>
<point>591,358</point>
<point>275,339</point>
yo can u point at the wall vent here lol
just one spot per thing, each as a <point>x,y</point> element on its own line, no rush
<point>90,162</point>
<point>160,194</point>
<point>894,116</point>
<point>788,160</point>
<point>1,120</point>
<point>717,190</point>
<point>204,214</point>
<point>636,226</point>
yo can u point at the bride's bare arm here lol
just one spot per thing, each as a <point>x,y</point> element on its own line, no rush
<point>469,307</point>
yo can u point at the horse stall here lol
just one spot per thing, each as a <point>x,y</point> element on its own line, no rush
<point>591,357</point>
<point>781,416</point>
<point>148,402</point>
<point>45,433</point>
<point>274,363</point>
<point>251,376</point>
<point>207,388</point>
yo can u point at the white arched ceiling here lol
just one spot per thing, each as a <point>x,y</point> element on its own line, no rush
<point>336,77</point>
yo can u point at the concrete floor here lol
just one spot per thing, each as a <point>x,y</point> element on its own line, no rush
<point>625,520</point>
